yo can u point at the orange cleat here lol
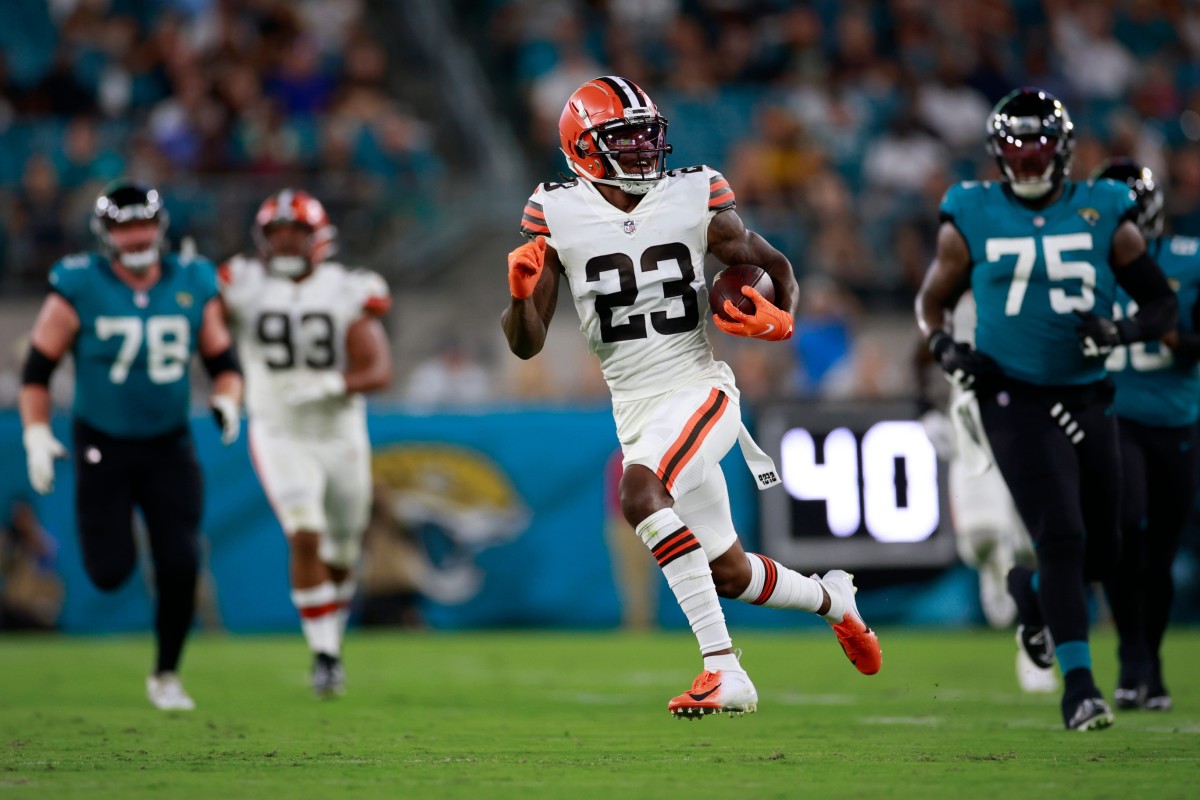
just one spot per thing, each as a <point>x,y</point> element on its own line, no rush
<point>716,693</point>
<point>858,641</point>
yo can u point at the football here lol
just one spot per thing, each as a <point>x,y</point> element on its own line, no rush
<point>728,283</point>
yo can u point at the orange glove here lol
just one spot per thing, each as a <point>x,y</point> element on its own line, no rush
<point>767,322</point>
<point>525,267</point>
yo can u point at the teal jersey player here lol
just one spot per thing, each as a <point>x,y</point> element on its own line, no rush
<point>1155,386</point>
<point>133,348</point>
<point>1032,269</point>
<point>133,315</point>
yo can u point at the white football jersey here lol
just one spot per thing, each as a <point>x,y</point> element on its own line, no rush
<point>289,330</point>
<point>638,278</point>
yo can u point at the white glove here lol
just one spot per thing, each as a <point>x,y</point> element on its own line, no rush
<point>41,448</point>
<point>940,431</point>
<point>314,387</point>
<point>228,416</point>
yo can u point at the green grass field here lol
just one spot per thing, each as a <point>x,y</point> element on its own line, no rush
<point>575,716</point>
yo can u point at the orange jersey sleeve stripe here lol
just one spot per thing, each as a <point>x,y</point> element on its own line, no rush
<point>534,210</point>
<point>723,200</point>
<point>377,305</point>
<point>694,432</point>
<point>224,274</point>
<point>770,580</point>
<point>530,229</point>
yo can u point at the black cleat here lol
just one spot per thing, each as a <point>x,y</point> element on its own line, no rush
<point>1127,697</point>
<point>1037,644</point>
<point>328,676</point>
<point>1157,698</point>
<point>1091,714</point>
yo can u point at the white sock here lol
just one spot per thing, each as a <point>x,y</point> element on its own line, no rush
<point>775,586</point>
<point>319,618</point>
<point>684,565</point>
<point>726,662</point>
<point>344,595</point>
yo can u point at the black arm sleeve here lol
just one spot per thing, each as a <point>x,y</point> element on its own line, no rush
<point>225,361</point>
<point>38,368</point>
<point>1158,307</point>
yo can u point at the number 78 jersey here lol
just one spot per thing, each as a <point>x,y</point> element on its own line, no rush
<point>637,278</point>
<point>1033,269</point>
<point>288,330</point>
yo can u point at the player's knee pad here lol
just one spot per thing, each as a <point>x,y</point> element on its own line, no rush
<point>341,552</point>
<point>705,511</point>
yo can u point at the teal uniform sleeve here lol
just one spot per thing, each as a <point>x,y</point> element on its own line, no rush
<point>69,277</point>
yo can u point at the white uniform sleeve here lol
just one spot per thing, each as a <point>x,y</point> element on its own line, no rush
<point>369,293</point>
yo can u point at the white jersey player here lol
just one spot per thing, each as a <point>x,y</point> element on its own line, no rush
<point>309,335</point>
<point>630,239</point>
<point>989,533</point>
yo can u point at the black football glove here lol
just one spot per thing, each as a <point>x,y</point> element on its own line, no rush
<point>1097,335</point>
<point>963,364</point>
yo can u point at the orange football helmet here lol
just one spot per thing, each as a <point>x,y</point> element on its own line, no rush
<point>293,207</point>
<point>611,133</point>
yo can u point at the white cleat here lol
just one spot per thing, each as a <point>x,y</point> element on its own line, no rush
<point>723,691</point>
<point>166,692</point>
<point>1034,679</point>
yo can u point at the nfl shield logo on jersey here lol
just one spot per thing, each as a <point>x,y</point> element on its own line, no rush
<point>630,227</point>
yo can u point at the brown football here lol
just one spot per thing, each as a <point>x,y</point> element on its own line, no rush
<point>728,283</point>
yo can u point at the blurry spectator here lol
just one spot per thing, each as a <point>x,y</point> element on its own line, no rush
<point>1095,63</point>
<point>1183,200</point>
<point>83,160</point>
<point>31,592</point>
<point>39,235</point>
<point>59,93</point>
<point>772,169</point>
<point>824,333</point>
<point>954,110</point>
<point>452,377</point>
<point>905,155</point>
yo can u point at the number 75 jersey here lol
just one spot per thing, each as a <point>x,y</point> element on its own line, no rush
<point>637,277</point>
<point>1032,269</point>
<point>288,330</point>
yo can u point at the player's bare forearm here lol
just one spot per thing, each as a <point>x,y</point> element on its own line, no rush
<point>230,384</point>
<point>732,243</point>
<point>215,337</point>
<point>945,281</point>
<point>33,401</point>
<point>523,327</point>
<point>526,321</point>
<point>368,357</point>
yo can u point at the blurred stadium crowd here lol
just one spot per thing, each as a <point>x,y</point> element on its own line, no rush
<point>839,125</point>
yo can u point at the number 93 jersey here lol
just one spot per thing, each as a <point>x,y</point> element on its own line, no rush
<point>637,278</point>
<point>133,348</point>
<point>1153,386</point>
<point>1032,269</point>
<point>289,331</point>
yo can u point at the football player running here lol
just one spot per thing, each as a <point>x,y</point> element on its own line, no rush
<point>1043,256</point>
<point>1157,403</point>
<point>132,315</point>
<point>308,330</point>
<point>629,238</point>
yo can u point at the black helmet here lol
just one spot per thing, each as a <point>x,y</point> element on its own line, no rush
<point>1032,138</point>
<point>126,201</point>
<point>1146,191</point>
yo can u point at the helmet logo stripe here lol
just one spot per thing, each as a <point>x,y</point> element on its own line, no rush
<point>625,96</point>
